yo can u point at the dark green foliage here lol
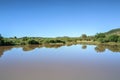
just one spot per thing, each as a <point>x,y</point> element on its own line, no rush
<point>25,38</point>
<point>84,36</point>
<point>5,42</point>
<point>113,38</point>
<point>1,41</point>
<point>54,41</point>
<point>103,40</point>
<point>104,37</point>
<point>15,37</point>
<point>8,42</point>
<point>1,37</point>
<point>100,35</point>
<point>59,41</point>
<point>33,42</point>
<point>119,39</point>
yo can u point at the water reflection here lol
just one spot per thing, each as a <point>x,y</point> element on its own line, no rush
<point>102,48</point>
<point>99,48</point>
<point>53,45</point>
<point>4,48</point>
<point>84,46</point>
<point>30,47</point>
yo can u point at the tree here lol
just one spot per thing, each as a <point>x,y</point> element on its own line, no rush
<point>99,49</point>
<point>84,36</point>
<point>119,39</point>
<point>101,40</point>
<point>8,42</point>
<point>100,35</point>
<point>1,40</point>
<point>15,37</point>
<point>113,38</point>
<point>33,42</point>
<point>84,46</point>
<point>25,38</point>
<point>1,37</point>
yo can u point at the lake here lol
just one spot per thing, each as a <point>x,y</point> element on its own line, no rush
<point>55,62</point>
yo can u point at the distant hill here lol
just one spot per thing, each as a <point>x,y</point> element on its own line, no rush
<point>114,31</point>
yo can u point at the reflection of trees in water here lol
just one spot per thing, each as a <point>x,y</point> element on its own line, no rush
<point>102,48</point>
<point>30,47</point>
<point>113,48</point>
<point>70,43</point>
<point>53,45</point>
<point>98,48</point>
<point>84,46</point>
<point>4,48</point>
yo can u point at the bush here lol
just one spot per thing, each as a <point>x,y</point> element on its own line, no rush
<point>1,42</point>
<point>25,38</point>
<point>84,36</point>
<point>8,42</point>
<point>100,35</point>
<point>119,39</point>
<point>47,41</point>
<point>33,42</point>
<point>113,38</point>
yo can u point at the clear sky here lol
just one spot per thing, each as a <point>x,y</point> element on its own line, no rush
<point>53,18</point>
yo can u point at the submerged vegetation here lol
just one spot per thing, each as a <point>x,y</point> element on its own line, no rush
<point>111,37</point>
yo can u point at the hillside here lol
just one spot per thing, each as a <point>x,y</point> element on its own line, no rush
<point>114,31</point>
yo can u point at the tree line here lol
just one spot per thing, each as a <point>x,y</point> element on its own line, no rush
<point>99,37</point>
<point>103,38</point>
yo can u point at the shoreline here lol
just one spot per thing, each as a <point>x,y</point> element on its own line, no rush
<point>69,43</point>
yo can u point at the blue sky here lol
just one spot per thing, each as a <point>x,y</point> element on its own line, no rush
<point>53,18</point>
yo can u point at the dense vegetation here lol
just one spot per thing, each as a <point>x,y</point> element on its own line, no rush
<point>114,31</point>
<point>104,38</point>
<point>111,36</point>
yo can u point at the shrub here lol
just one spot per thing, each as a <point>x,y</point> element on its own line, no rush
<point>33,42</point>
<point>113,38</point>
<point>119,39</point>
<point>8,42</point>
<point>100,35</point>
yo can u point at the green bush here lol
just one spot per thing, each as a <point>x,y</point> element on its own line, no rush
<point>100,35</point>
<point>1,42</point>
<point>33,42</point>
<point>8,42</point>
<point>119,39</point>
<point>113,38</point>
<point>53,41</point>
